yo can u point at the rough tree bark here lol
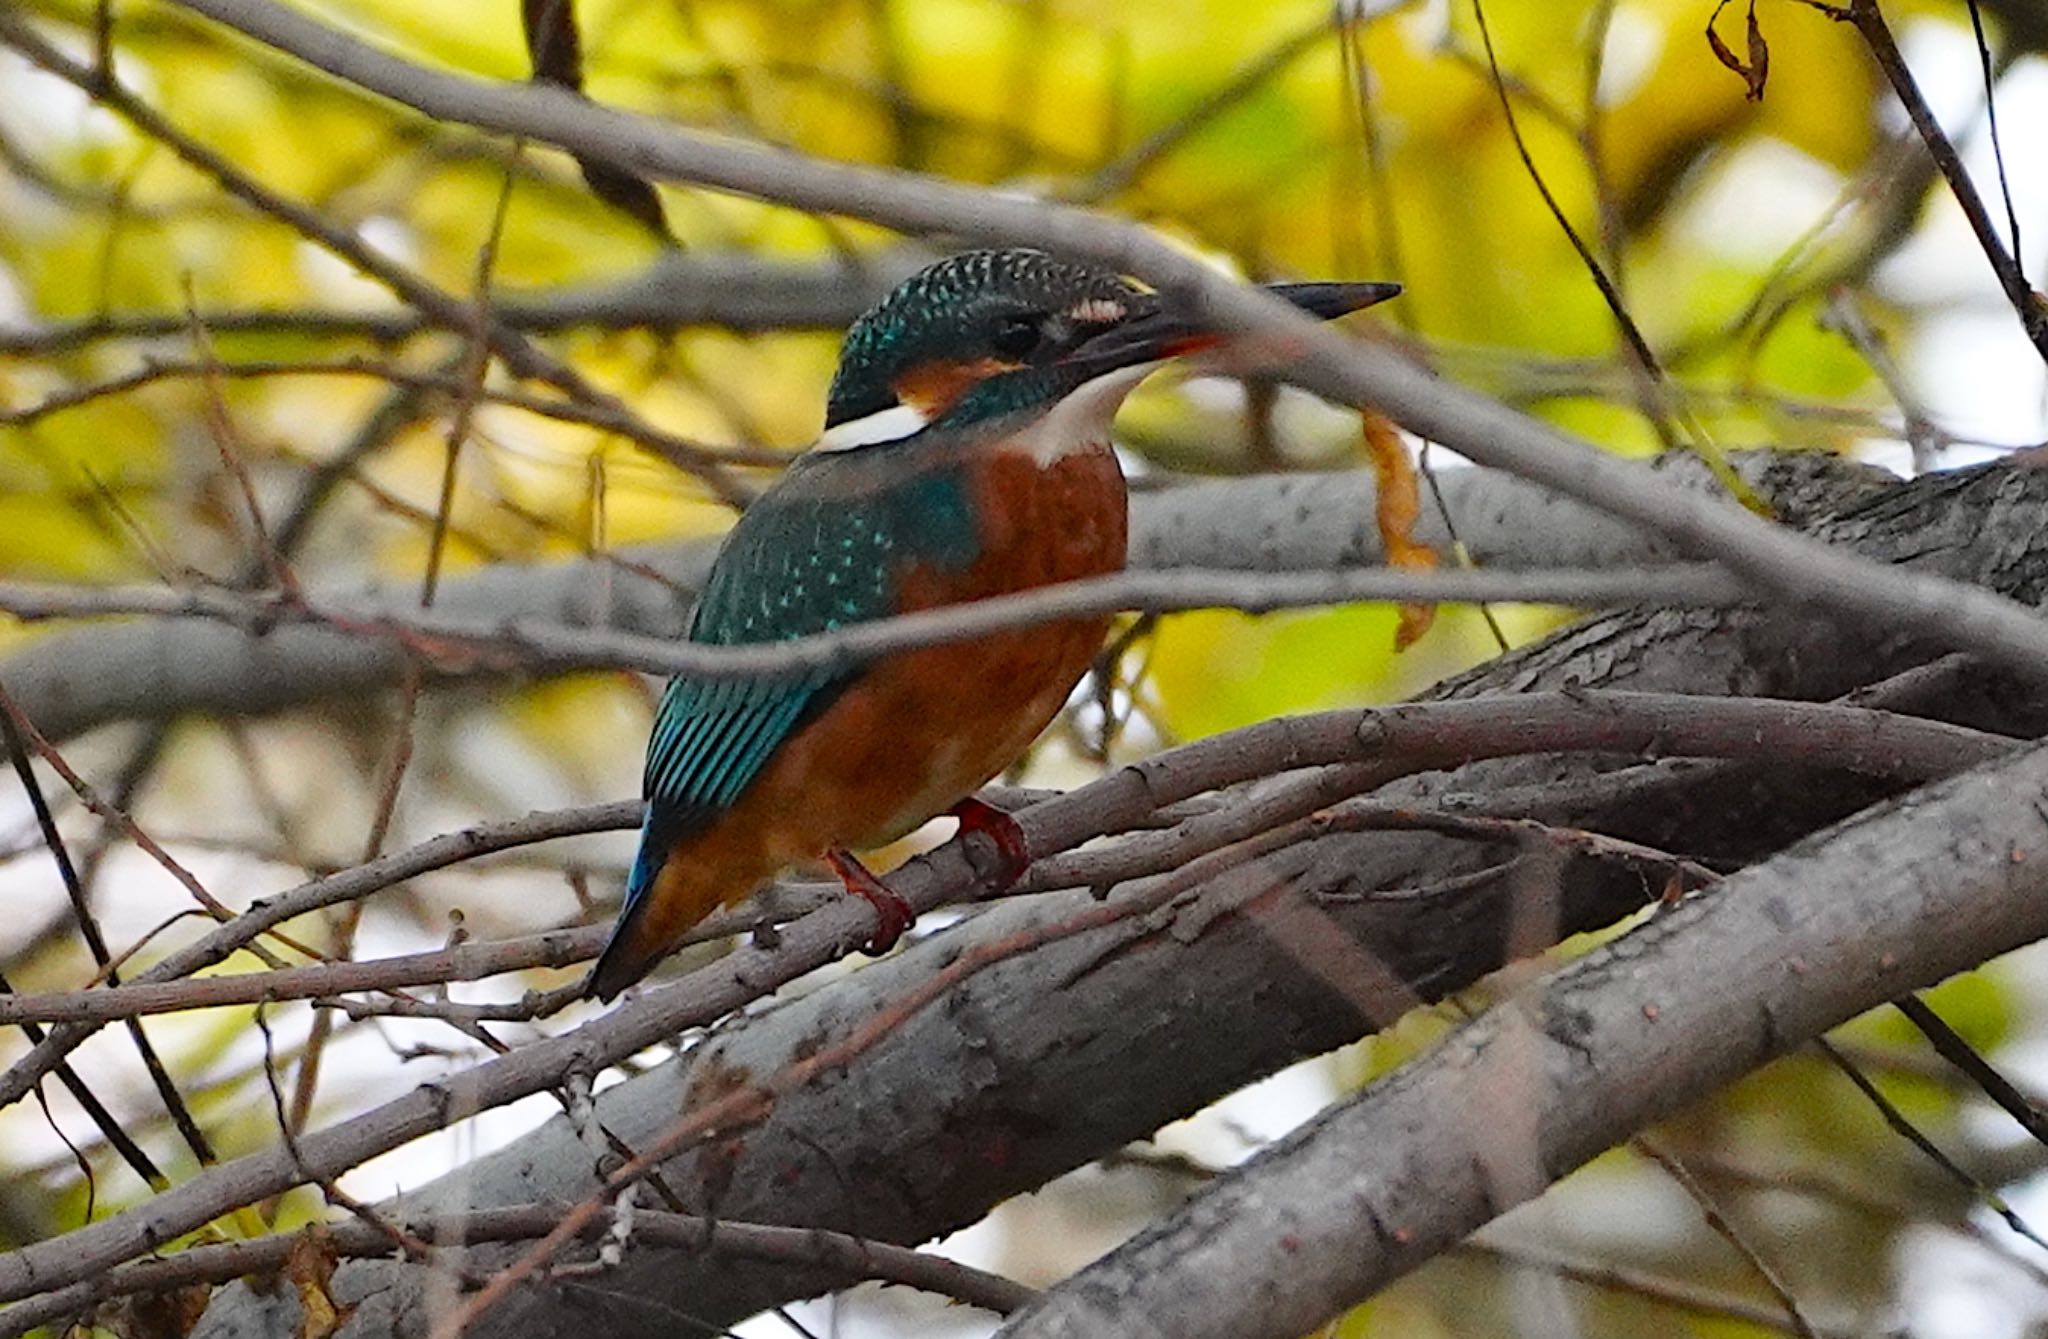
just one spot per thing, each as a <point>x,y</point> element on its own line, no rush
<point>1045,1061</point>
<point>1554,1075</point>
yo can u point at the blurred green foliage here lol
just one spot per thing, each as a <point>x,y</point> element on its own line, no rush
<point>1256,134</point>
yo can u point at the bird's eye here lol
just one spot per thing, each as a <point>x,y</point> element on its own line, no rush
<point>1017,337</point>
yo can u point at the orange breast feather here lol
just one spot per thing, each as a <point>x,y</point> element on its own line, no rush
<point>921,729</point>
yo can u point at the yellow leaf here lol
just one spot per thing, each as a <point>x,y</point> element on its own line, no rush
<point>310,1267</point>
<point>1397,509</point>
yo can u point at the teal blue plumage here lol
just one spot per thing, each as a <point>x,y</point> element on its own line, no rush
<point>817,553</point>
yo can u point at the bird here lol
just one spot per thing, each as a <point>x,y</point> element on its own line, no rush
<point>966,454</point>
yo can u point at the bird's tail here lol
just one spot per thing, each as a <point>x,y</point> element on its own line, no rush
<point>631,952</point>
<point>682,874</point>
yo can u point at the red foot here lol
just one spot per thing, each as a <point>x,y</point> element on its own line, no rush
<point>892,914</point>
<point>1013,855</point>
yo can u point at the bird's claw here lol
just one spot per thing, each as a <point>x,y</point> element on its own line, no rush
<point>893,915</point>
<point>1013,853</point>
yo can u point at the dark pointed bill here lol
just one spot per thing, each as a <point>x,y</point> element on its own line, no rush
<point>1330,299</point>
<point>1153,332</point>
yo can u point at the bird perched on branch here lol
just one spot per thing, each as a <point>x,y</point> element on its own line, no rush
<point>966,454</point>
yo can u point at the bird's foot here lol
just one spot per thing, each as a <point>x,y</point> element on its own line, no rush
<point>1013,853</point>
<point>892,914</point>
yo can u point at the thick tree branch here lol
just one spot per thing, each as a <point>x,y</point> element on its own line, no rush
<point>1412,914</point>
<point>1014,1081</point>
<point>1355,750</point>
<point>81,678</point>
<point>1560,1072</point>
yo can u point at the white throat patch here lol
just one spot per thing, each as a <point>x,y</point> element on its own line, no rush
<point>1079,423</point>
<point>893,424</point>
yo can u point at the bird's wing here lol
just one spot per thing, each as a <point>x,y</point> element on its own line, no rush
<point>713,736</point>
<point>809,556</point>
<point>797,568</point>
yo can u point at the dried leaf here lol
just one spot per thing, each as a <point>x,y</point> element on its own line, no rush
<point>1398,508</point>
<point>553,43</point>
<point>310,1269</point>
<point>556,49</point>
<point>1754,71</point>
<point>624,191</point>
<point>165,1315</point>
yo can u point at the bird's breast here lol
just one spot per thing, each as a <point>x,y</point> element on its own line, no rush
<point>918,729</point>
<point>1036,521</point>
<point>935,723</point>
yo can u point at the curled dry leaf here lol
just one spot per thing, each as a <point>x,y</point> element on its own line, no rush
<point>555,47</point>
<point>1757,69</point>
<point>310,1270</point>
<point>1398,507</point>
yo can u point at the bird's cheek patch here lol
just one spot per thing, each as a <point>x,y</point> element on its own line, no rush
<point>936,387</point>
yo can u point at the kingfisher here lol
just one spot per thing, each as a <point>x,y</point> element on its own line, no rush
<point>966,454</point>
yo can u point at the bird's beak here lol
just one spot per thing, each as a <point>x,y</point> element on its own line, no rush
<point>1152,332</point>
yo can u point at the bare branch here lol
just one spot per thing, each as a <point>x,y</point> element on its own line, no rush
<point>154,370</point>
<point>472,961</point>
<point>1374,746</point>
<point>1675,1009</point>
<point>449,312</point>
<point>461,643</point>
<point>360,881</point>
<point>1868,19</point>
<point>835,1259</point>
<point>675,291</point>
<point>1677,1294</point>
<point>1001,1060</point>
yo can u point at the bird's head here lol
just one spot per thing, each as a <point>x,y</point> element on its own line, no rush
<point>992,335</point>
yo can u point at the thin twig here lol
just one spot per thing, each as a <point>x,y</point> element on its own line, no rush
<point>853,1258</point>
<point>1399,741</point>
<point>519,353</point>
<point>1984,61</point>
<point>1617,307</point>
<point>1956,615</point>
<point>1656,1289</point>
<point>212,905</point>
<point>1913,1135</point>
<point>476,363</point>
<point>451,642</point>
<point>1868,20</point>
<point>1728,1232</point>
<point>108,1124</point>
<point>1965,1058</point>
<point>89,929</point>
